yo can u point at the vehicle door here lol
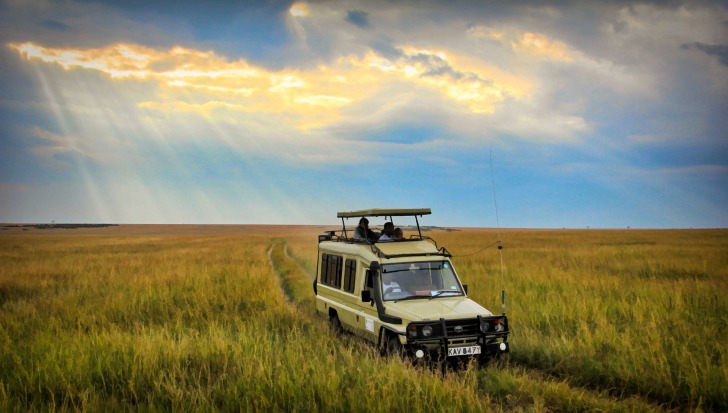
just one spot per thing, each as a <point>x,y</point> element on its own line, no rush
<point>368,318</point>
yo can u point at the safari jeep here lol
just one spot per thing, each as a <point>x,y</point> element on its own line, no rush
<point>402,295</point>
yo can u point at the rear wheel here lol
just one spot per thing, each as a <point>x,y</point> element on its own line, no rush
<point>335,323</point>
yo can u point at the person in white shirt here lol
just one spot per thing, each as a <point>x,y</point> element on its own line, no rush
<point>387,233</point>
<point>389,285</point>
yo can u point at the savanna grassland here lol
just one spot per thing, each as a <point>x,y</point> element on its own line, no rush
<point>222,318</point>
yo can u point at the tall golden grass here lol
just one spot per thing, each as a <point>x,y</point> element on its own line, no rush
<point>640,312</point>
<point>225,321</point>
<point>636,312</point>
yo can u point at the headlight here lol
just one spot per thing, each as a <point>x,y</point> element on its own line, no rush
<point>427,331</point>
<point>483,326</point>
<point>499,327</point>
<point>412,330</point>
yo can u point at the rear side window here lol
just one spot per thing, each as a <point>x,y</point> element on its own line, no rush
<point>331,270</point>
<point>349,275</point>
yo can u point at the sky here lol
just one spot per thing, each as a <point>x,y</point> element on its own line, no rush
<point>511,114</point>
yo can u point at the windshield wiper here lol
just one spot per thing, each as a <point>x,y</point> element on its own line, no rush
<point>438,293</point>
<point>413,269</point>
<point>411,297</point>
<point>393,271</point>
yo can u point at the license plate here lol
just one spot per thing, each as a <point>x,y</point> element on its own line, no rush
<point>463,351</point>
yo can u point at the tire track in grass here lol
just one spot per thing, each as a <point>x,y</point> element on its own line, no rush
<point>277,275</point>
<point>293,280</point>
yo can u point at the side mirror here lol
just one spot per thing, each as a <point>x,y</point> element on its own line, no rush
<point>366,296</point>
<point>465,288</point>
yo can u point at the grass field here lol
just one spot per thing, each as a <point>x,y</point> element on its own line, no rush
<point>222,318</point>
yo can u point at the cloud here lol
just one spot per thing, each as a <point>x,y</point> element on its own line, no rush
<point>53,144</point>
<point>719,51</point>
<point>649,37</point>
<point>56,25</point>
<point>202,79</point>
<point>540,45</point>
<point>534,44</point>
<point>471,81</point>
<point>299,9</point>
<point>714,170</point>
<point>63,148</point>
<point>358,18</point>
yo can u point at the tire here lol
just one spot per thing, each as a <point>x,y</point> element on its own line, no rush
<point>335,323</point>
<point>393,347</point>
<point>498,359</point>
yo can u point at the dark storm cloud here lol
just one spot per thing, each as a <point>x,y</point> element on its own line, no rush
<point>717,50</point>
<point>358,18</point>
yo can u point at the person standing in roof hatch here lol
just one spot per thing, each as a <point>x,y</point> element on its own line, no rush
<point>363,232</point>
<point>398,234</point>
<point>387,233</point>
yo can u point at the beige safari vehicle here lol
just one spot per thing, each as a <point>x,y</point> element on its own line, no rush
<point>402,295</point>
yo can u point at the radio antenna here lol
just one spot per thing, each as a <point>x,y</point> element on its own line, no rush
<point>500,245</point>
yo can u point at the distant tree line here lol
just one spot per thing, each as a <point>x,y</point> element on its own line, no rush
<point>61,226</point>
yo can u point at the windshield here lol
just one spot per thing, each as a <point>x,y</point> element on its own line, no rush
<point>419,280</point>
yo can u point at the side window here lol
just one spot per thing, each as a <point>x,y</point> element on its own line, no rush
<point>331,270</point>
<point>349,275</point>
<point>335,271</point>
<point>324,267</point>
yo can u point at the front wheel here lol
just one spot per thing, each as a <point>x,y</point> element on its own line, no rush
<point>498,359</point>
<point>394,347</point>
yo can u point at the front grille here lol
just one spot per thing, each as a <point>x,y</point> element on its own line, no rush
<point>467,341</point>
<point>462,328</point>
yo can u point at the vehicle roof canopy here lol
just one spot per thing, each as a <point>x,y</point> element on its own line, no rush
<point>385,212</point>
<point>391,250</point>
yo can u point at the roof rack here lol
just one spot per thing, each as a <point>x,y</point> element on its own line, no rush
<point>385,212</point>
<point>332,236</point>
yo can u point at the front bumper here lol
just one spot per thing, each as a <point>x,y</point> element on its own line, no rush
<point>463,333</point>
